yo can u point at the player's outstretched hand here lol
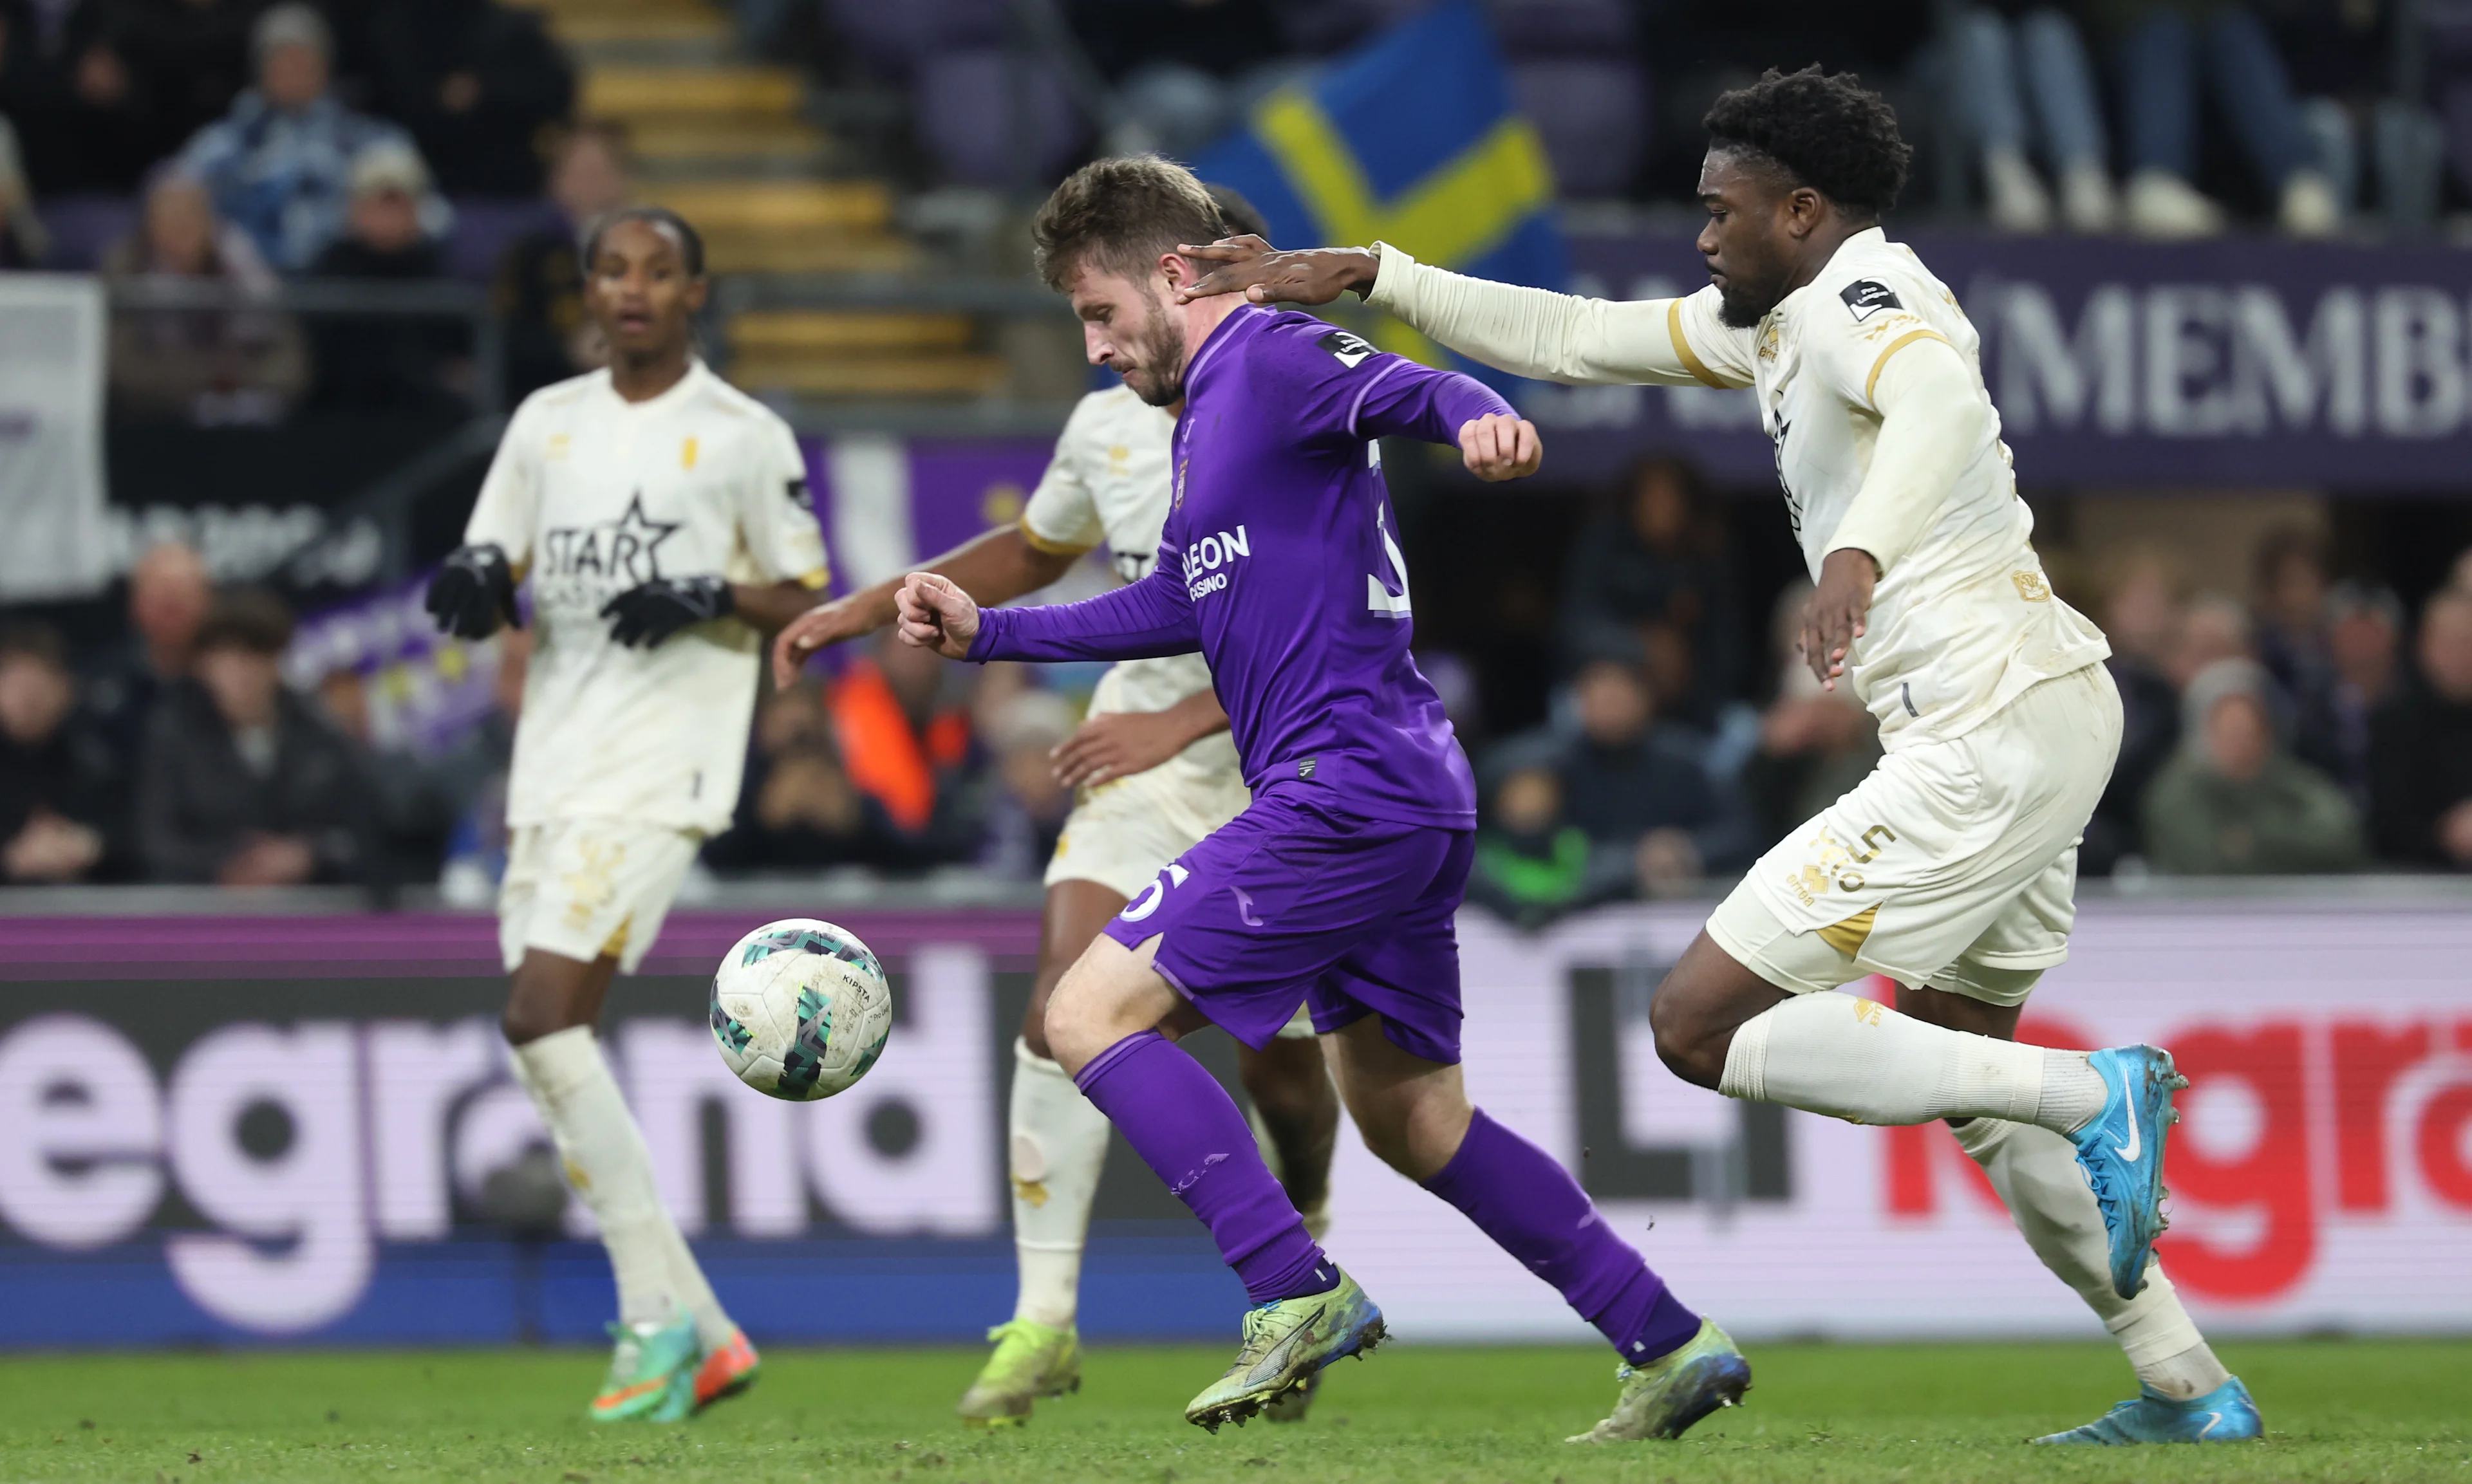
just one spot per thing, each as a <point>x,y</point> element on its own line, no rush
<point>819,627</point>
<point>1251,267</point>
<point>1832,617</point>
<point>650,613</point>
<point>473,593</point>
<point>935,615</point>
<point>1499,446</point>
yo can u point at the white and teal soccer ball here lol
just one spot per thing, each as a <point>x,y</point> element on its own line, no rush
<point>801,1010</point>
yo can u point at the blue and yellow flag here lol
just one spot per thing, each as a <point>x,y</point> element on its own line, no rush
<point>1411,139</point>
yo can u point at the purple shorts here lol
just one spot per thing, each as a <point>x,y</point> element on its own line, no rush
<point>1291,901</point>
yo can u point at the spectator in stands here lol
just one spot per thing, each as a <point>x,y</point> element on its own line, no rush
<point>383,362</point>
<point>245,784</point>
<point>2420,775</point>
<point>476,81</point>
<point>2341,56</point>
<point>60,796</point>
<point>2291,607</point>
<point>1025,806</point>
<point>2235,802</point>
<point>1652,575</point>
<point>539,290</point>
<point>1639,792</point>
<point>798,808</point>
<point>73,103</point>
<point>2213,626</point>
<point>23,242</point>
<point>169,596</point>
<point>1815,743</point>
<point>2165,45</point>
<point>204,366</point>
<point>2143,615</point>
<point>902,733</point>
<point>1532,863</point>
<point>279,163</point>
<point>1184,73</point>
<point>181,63</point>
<point>2025,86</point>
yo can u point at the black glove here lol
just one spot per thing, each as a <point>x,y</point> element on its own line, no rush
<point>473,593</point>
<point>644,616</point>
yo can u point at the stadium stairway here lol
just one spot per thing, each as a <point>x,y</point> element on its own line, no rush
<point>728,144</point>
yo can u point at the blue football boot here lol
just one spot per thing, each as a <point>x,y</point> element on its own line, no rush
<point>2226,1414</point>
<point>2122,1153</point>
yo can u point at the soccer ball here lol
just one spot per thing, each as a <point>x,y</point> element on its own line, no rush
<point>801,1010</point>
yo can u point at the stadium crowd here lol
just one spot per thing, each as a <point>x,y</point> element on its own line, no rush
<point>2311,724</point>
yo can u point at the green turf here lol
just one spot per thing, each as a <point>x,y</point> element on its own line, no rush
<point>2337,1411</point>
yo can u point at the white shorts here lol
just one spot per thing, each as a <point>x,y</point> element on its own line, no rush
<point>582,889</point>
<point>1121,833</point>
<point>1953,864</point>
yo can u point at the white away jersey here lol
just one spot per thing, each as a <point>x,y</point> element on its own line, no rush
<point>591,495</point>
<point>1107,485</point>
<point>1964,622</point>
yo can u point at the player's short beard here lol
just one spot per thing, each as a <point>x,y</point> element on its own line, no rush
<point>1158,377</point>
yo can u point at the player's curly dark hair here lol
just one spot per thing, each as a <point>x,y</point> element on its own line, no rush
<point>1830,133</point>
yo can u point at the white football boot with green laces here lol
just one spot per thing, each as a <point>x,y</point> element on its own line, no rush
<point>1286,1342</point>
<point>1032,1362</point>
<point>1663,1398</point>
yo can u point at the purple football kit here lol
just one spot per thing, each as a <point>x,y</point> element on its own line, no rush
<point>1280,563</point>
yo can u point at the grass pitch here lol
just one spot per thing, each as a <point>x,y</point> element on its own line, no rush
<point>2337,1411</point>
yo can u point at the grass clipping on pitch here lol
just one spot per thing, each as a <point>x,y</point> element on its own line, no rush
<point>2335,1410</point>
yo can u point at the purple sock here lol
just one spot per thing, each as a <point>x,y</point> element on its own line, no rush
<point>1186,1129</point>
<point>1536,1211</point>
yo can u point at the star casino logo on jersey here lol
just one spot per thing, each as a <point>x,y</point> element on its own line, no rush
<point>611,554</point>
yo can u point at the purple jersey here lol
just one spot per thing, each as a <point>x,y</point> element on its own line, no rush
<point>1280,563</point>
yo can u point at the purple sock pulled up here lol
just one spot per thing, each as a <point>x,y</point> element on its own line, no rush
<point>1534,1211</point>
<point>1188,1130</point>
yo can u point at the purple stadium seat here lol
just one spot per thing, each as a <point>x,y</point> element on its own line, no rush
<point>483,228</point>
<point>1599,28</point>
<point>84,227</point>
<point>969,119</point>
<point>1594,119</point>
<point>898,36</point>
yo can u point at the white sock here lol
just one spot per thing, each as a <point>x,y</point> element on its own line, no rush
<point>1059,1144</point>
<point>2037,1173</point>
<point>607,1166</point>
<point>1857,1059</point>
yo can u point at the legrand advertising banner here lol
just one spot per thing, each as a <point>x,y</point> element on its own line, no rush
<point>299,1130</point>
<point>2226,362</point>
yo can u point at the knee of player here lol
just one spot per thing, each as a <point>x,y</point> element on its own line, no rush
<point>1683,1039</point>
<point>524,1022</point>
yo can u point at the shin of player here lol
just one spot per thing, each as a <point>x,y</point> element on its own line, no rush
<point>661,519</point>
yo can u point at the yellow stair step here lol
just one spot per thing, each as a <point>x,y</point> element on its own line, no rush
<point>823,332</point>
<point>651,27</point>
<point>622,92</point>
<point>934,375</point>
<point>703,136</point>
<point>781,205</point>
<point>808,254</point>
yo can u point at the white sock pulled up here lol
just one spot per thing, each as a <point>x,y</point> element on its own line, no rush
<point>1857,1059</point>
<point>1058,1143</point>
<point>2038,1176</point>
<point>609,1168</point>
